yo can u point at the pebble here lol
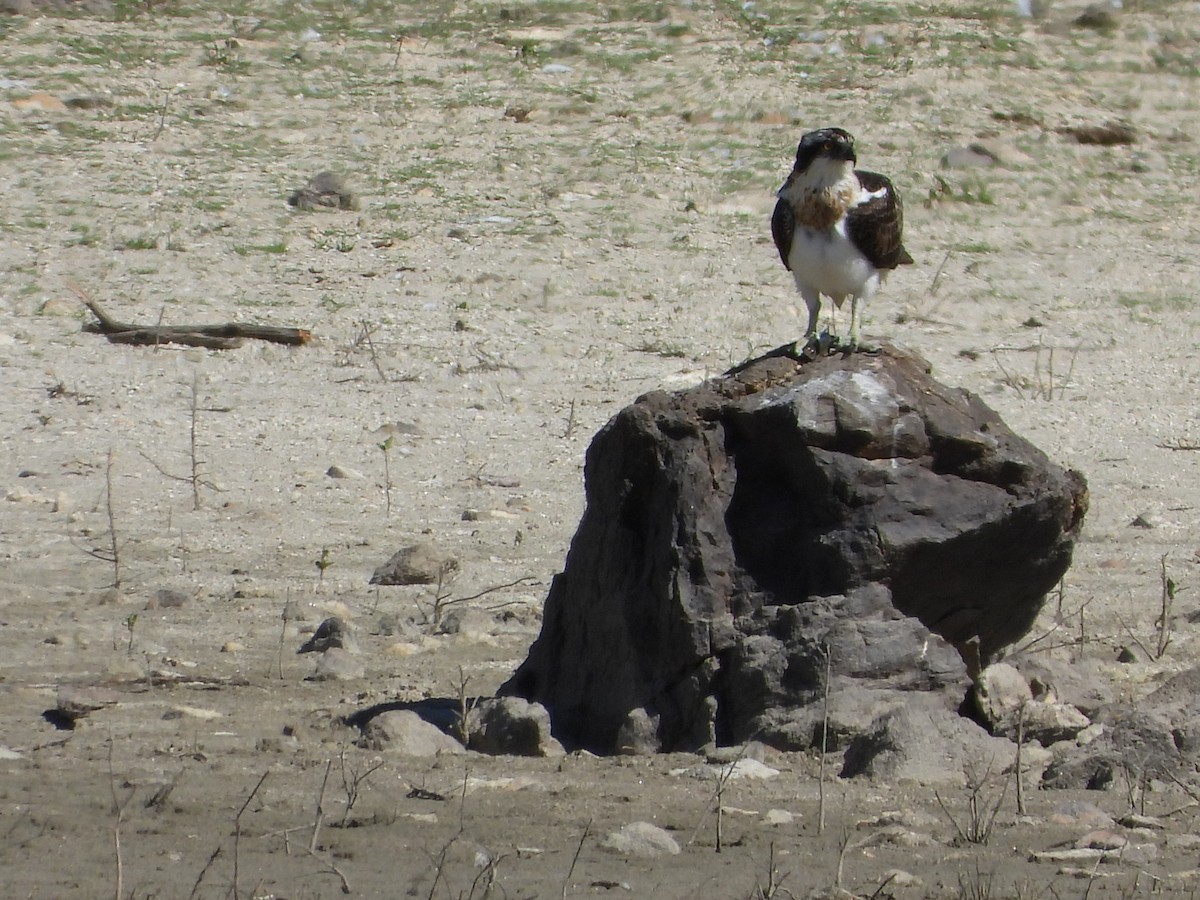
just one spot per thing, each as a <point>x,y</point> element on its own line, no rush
<point>192,712</point>
<point>165,598</point>
<point>77,702</point>
<point>337,665</point>
<point>343,472</point>
<point>417,564</point>
<point>778,817</point>
<point>973,156</point>
<point>743,768</point>
<point>1079,812</point>
<point>1102,839</point>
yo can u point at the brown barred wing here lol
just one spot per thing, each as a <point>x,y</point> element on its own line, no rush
<point>876,227</point>
<point>783,228</point>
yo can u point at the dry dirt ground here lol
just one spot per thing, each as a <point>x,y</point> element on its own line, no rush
<point>562,205</point>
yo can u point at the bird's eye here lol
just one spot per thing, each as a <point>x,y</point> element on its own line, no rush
<point>828,145</point>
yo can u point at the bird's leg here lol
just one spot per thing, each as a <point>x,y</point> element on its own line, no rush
<point>812,300</point>
<point>809,345</point>
<point>855,321</point>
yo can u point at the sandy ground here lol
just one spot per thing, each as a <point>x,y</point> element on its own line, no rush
<point>563,205</point>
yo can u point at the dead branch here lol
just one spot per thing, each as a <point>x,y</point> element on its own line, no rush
<point>215,337</point>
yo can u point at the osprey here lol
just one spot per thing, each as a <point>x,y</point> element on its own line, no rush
<point>837,228</point>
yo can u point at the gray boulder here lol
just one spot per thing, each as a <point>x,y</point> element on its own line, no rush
<point>404,732</point>
<point>846,515</point>
<point>510,726</point>
<point>926,743</point>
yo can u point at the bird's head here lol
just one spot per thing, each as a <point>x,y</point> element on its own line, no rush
<point>828,149</point>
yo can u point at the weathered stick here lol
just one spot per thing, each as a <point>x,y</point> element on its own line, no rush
<point>216,337</point>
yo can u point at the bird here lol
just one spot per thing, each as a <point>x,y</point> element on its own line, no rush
<point>838,229</point>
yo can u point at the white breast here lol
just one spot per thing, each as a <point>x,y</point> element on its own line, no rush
<point>827,262</point>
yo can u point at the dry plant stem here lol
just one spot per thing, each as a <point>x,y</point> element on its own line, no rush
<point>353,782</point>
<point>717,804</point>
<point>937,276</point>
<point>575,859</point>
<point>441,599</point>
<point>212,858</point>
<point>824,743</point>
<point>774,879</point>
<point>284,619</point>
<point>462,803</point>
<point>330,867</point>
<point>1166,604</point>
<point>1020,744</point>
<point>162,116</point>
<point>386,447</point>
<point>119,810</point>
<point>237,836</point>
<point>192,447</point>
<point>366,336</point>
<point>319,818</point>
<point>981,813</point>
<point>114,552</point>
<point>843,846</point>
<point>570,429</point>
<point>464,708</point>
<point>120,890</point>
<point>1008,379</point>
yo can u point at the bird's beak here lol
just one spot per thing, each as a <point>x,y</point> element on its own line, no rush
<point>843,150</point>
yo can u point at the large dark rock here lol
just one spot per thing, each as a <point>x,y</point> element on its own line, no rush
<point>743,535</point>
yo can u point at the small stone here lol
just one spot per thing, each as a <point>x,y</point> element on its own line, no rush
<point>192,712</point>
<point>1079,812</point>
<point>898,878</point>
<point>337,665</point>
<point>1099,16</point>
<point>395,429</point>
<point>403,731</point>
<point>638,735</point>
<point>1000,692</point>
<point>343,472</point>
<point>165,598</point>
<point>510,726</point>
<point>755,750</point>
<point>1109,134</point>
<point>76,702</point>
<point>973,156</point>
<point>330,634</point>
<point>1102,840</point>
<point>1143,520</point>
<point>232,647</point>
<point>1134,820</point>
<point>778,817</point>
<point>641,839</point>
<point>417,564</point>
<point>325,190</point>
<point>743,768</point>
